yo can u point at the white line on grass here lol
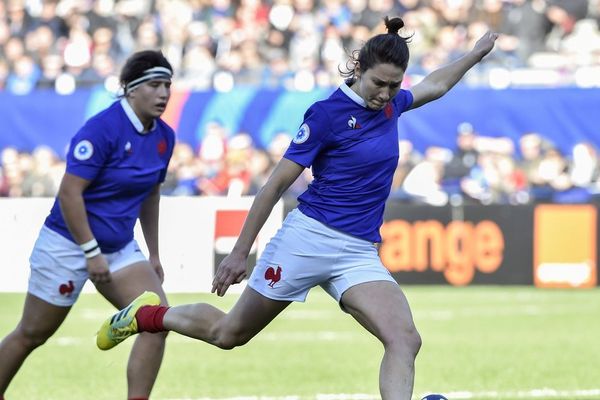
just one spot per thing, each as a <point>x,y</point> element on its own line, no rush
<point>545,393</point>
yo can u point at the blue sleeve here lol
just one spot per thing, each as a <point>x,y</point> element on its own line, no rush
<point>311,137</point>
<point>89,151</point>
<point>403,100</point>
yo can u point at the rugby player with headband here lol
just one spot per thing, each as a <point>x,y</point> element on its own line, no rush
<point>115,165</point>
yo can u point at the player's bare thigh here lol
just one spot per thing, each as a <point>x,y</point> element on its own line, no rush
<point>129,282</point>
<point>382,308</point>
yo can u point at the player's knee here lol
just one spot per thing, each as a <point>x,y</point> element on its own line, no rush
<point>32,337</point>
<point>408,340</point>
<point>415,341</point>
<point>157,337</point>
<point>229,336</point>
<point>228,341</point>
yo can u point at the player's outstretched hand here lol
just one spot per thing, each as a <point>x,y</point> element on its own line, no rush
<point>231,270</point>
<point>485,44</point>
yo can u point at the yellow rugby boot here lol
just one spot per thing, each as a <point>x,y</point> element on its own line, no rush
<point>123,324</point>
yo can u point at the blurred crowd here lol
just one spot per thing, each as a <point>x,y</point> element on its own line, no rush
<point>479,170</point>
<point>295,44</point>
<point>302,44</point>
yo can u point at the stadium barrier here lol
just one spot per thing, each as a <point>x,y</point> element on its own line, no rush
<point>544,245</point>
<point>547,245</point>
<point>565,116</point>
<point>195,234</point>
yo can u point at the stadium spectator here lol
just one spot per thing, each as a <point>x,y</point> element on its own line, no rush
<point>44,175</point>
<point>408,158</point>
<point>424,181</point>
<point>184,170</point>
<point>115,166</point>
<point>585,166</point>
<point>328,240</point>
<point>308,35</point>
<point>532,148</point>
<point>464,157</point>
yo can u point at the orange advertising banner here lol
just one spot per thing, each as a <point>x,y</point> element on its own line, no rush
<point>565,254</point>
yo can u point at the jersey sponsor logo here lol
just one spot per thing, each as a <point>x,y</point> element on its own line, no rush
<point>353,124</point>
<point>302,135</point>
<point>273,275</point>
<point>128,148</point>
<point>83,150</point>
<point>66,289</point>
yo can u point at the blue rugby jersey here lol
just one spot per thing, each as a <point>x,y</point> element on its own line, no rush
<point>123,166</point>
<point>353,152</point>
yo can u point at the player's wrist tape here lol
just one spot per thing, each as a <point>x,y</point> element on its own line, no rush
<point>90,249</point>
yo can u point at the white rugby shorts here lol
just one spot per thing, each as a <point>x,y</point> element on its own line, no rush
<point>58,267</point>
<point>305,253</point>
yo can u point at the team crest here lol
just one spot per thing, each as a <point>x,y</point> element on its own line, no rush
<point>272,275</point>
<point>162,147</point>
<point>389,111</point>
<point>83,150</point>
<point>302,135</point>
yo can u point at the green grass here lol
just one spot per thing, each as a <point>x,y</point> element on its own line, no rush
<point>487,342</point>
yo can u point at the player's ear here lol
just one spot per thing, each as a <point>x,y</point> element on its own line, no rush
<point>357,70</point>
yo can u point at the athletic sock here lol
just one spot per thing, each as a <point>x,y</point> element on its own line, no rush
<point>150,318</point>
<point>133,398</point>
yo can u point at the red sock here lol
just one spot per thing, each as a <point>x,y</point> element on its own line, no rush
<point>150,318</point>
<point>133,398</point>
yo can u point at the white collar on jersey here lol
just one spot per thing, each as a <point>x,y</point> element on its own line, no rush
<point>134,118</point>
<point>352,94</point>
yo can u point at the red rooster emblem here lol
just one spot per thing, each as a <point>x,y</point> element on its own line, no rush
<point>389,111</point>
<point>66,289</point>
<point>162,147</point>
<point>272,275</point>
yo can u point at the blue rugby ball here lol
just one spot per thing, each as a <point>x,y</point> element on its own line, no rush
<point>434,397</point>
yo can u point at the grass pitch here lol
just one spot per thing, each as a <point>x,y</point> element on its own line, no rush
<point>478,343</point>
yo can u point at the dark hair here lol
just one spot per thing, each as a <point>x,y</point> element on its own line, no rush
<point>139,62</point>
<point>388,48</point>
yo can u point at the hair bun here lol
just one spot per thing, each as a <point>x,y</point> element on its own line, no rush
<point>393,25</point>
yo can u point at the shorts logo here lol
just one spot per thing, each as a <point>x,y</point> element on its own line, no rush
<point>272,275</point>
<point>66,289</point>
<point>302,135</point>
<point>83,150</point>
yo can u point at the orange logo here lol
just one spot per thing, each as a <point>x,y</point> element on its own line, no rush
<point>457,249</point>
<point>564,246</point>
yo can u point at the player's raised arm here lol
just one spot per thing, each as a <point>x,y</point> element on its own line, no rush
<point>440,81</point>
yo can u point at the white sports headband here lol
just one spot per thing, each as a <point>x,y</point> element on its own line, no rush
<point>149,74</point>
